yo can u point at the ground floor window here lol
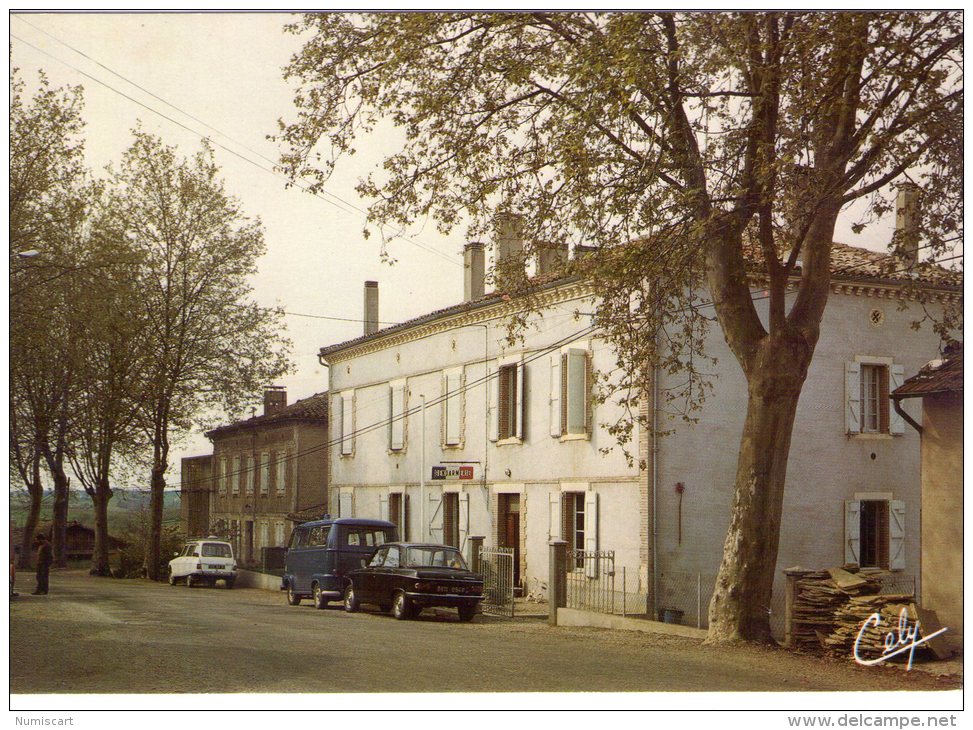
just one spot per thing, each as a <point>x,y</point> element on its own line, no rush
<point>874,534</point>
<point>451,519</point>
<point>572,514</point>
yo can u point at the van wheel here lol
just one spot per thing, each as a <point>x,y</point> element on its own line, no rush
<point>319,600</point>
<point>292,598</point>
<point>401,606</point>
<point>190,581</point>
<point>351,600</point>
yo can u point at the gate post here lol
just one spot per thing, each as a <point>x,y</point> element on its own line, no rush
<point>476,542</point>
<point>557,581</point>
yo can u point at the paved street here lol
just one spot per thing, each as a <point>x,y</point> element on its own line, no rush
<point>126,636</point>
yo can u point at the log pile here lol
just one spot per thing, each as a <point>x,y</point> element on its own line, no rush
<point>849,619</point>
<point>820,595</point>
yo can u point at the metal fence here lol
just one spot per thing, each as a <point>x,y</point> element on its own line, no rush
<point>591,580</point>
<point>497,567</point>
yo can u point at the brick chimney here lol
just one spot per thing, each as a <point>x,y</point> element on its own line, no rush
<point>474,268</point>
<point>907,223</point>
<point>551,257</point>
<point>371,307</point>
<point>275,399</point>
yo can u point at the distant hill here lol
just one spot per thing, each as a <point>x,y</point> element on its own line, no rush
<point>127,507</point>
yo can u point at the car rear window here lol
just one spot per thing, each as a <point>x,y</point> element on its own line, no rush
<point>365,537</point>
<point>216,550</point>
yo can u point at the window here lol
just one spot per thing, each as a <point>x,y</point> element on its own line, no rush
<point>279,533</point>
<point>868,409</point>
<point>572,512</point>
<point>875,533</point>
<point>378,558</point>
<point>571,393</point>
<point>281,473</point>
<point>222,478</point>
<point>248,469</point>
<point>346,427</point>
<point>451,519</point>
<point>392,558</point>
<point>452,408</point>
<point>395,511</point>
<point>265,474</point>
<point>507,400</point>
<point>397,393</point>
<point>236,476</point>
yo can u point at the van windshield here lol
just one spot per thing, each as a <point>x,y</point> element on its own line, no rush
<point>365,537</point>
<point>431,557</point>
<point>216,550</point>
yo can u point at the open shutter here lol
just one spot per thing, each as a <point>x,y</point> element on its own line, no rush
<point>521,401</point>
<point>896,422</point>
<point>554,528</point>
<point>853,525</point>
<point>404,529</point>
<point>397,427</point>
<point>464,519</point>
<point>589,384</point>
<point>452,410</point>
<point>347,422</point>
<point>897,535</point>
<point>281,472</point>
<point>345,504</point>
<point>577,402</point>
<point>591,533</point>
<point>853,404</point>
<point>556,395</point>
<point>493,384</point>
<point>383,507</point>
<point>436,518</point>
<point>338,427</point>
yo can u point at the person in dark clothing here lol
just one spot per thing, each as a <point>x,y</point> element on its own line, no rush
<point>44,559</point>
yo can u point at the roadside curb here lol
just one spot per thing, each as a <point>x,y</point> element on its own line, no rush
<point>577,617</point>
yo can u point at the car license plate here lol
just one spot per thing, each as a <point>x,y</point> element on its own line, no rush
<point>214,567</point>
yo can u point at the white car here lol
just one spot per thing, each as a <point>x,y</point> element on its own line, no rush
<point>203,561</point>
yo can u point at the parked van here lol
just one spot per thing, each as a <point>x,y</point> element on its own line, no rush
<point>322,552</point>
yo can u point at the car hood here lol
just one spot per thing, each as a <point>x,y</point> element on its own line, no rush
<point>447,574</point>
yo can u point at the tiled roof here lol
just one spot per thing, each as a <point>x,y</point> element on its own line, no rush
<point>313,408</point>
<point>848,264</point>
<point>938,376</point>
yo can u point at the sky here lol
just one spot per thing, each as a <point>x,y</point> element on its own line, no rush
<point>186,75</point>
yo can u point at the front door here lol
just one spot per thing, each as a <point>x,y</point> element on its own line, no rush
<point>510,528</point>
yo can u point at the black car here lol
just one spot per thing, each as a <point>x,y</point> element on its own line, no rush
<point>407,577</point>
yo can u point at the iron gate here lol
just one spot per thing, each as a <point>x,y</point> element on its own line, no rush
<point>591,580</point>
<point>497,567</point>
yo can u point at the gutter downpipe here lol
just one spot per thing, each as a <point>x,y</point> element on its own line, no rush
<point>655,484</point>
<point>897,404</point>
<point>327,493</point>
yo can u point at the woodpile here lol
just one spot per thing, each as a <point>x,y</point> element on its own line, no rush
<point>850,618</point>
<point>819,596</point>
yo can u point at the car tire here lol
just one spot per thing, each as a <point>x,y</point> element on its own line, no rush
<point>351,600</point>
<point>320,601</point>
<point>466,613</point>
<point>292,598</point>
<point>401,606</point>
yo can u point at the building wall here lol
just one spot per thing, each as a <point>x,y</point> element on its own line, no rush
<point>942,511</point>
<point>196,494</point>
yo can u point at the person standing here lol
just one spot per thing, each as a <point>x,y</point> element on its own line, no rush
<point>44,558</point>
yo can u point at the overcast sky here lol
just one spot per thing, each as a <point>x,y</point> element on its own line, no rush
<point>220,75</point>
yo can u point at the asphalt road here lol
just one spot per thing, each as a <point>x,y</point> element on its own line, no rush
<point>101,635</point>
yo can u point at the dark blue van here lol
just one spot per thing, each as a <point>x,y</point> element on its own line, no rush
<point>322,552</point>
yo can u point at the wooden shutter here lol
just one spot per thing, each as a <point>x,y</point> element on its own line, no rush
<point>397,417</point>
<point>589,383</point>
<point>436,518</point>
<point>853,404</point>
<point>337,422</point>
<point>237,476</point>
<point>404,525</point>
<point>504,427</point>
<point>554,517</point>
<point>383,507</point>
<point>345,504</point>
<point>521,401</point>
<point>556,428</point>
<point>452,410</point>
<point>576,402</point>
<point>896,535</point>
<point>884,404</point>
<point>248,467</point>
<point>223,475</point>
<point>897,423</point>
<point>591,533</point>
<point>281,472</point>
<point>265,473</point>
<point>493,386</point>
<point>464,519</point>
<point>347,422</point>
<point>853,524</point>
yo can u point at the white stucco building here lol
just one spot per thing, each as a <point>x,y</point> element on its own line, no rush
<point>518,423</point>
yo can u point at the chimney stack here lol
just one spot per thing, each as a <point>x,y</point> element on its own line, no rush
<point>907,223</point>
<point>371,307</point>
<point>474,269</point>
<point>551,258</point>
<point>509,262</point>
<point>275,399</point>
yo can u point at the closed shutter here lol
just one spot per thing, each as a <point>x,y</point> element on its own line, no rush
<point>249,469</point>
<point>897,535</point>
<point>564,393</point>
<point>383,507</point>
<point>337,421</point>
<point>853,404</point>
<point>436,518</point>
<point>347,423</point>
<point>281,472</point>
<point>897,424</point>
<point>464,519</point>
<point>589,385</point>
<point>554,524</point>
<point>591,533</point>
<point>853,525</point>
<point>223,475</point>
<point>237,476</point>
<point>521,412</point>
<point>397,416</point>
<point>265,473</point>
<point>555,414</point>
<point>453,408</point>
<point>493,384</point>
<point>345,504</point>
<point>577,402</point>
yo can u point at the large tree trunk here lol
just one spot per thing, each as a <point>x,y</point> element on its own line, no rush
<point>156,504</point>
<point>740,607</point>
<point>59,530</point>
<point>99,559</point>
<point>36,491</point>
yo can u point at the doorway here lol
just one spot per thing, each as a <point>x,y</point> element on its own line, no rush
<point>509,528</point>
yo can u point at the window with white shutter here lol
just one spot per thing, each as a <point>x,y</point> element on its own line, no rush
<point>281,473</point>
<point>571,380</point>
<point>875,533</point>
<point>452,408</point>
<point>222,487</point>
<point>397,393</point>
<point>248,472</point>
<point>265,473</point>
<point>868,408</point>
<point>511,401</point>
<point>347,423</point>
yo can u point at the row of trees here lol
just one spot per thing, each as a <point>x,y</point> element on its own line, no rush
<point>130,316</point>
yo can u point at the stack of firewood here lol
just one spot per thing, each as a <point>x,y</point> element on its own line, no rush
<point>850,618</point>
<point>819,595</point>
